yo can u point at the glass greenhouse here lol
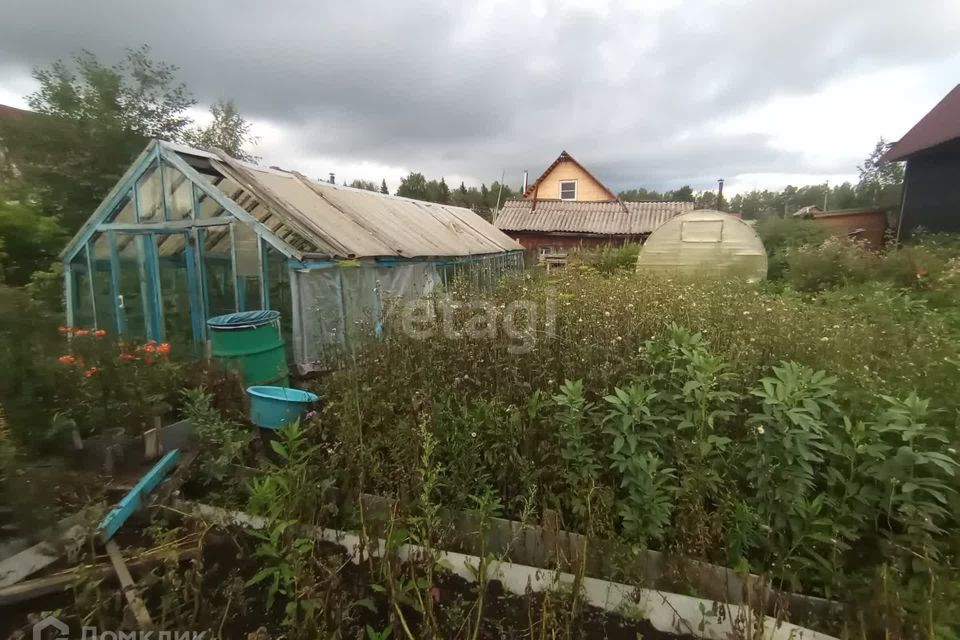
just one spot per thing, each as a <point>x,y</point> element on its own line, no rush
<point>188,234</point>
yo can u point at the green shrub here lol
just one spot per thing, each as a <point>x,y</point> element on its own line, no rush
<point>607,259</point>
<point>833,263</point>
<point>928,264</point>
<point>29,377</point>
<point>779,235</point>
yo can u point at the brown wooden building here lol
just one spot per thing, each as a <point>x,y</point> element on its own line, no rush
<point>931,183</point>
<point>568,207</point>
<point>867,225</point>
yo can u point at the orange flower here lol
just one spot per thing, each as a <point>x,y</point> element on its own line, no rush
<point>128,357</point>
<point>65,330</point>
<point>67,359</point>
<point>100,333</point>
<point>81,332</point>
<point>163,348</point>
<point>149,348</point>
<point>89,372</point>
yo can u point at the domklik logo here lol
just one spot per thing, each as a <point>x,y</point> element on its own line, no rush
<point>50,622</point>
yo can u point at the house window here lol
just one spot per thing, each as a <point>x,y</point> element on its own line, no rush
<point>568,189</point>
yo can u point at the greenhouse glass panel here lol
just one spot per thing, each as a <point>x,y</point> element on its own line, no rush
<point>125,211</point>
<point>218,279</point>
<point>82,303</point>
<point>103,284</point>
<point>179,194</point>
<point>278,285</point>
<point>209,207</point>
<point>245,242</point>
<point>150,196</point>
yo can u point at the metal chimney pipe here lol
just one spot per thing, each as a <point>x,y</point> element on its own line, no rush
<point>524,190</point>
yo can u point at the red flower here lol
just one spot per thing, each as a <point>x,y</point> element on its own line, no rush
<point>67,359</point>
<point>100,333</point>
<point>149,348</point>
<point>81,332</point>
<point>65,330</point>
<point>89,372</point>
<point>128,357</point>
<point>163,348</point>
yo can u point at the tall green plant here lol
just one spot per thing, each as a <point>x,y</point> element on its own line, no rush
<point>289,494</point>
<point>790,443</point>
<point>914,461</point>
<point>580,469</point>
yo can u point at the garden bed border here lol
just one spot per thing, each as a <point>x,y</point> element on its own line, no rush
<point>667,612</point>
<point>548,546</point>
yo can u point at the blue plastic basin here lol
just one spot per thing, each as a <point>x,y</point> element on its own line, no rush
<point>276,407</point>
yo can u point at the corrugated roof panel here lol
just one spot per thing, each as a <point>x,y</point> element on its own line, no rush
<point>354,222</point>
<point>601,218</point>
<point>410,227</point>
<point>334,232</point>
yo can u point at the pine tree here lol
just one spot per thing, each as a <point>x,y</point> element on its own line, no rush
<point>383,187</point>
<point>443,192</point>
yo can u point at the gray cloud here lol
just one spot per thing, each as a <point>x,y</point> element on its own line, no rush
<point>473,87</point>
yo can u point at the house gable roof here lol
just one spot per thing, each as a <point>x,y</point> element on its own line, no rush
<point>565,157</point>
<point>941,125</point>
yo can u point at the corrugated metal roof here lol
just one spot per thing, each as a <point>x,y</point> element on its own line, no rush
<point>347,222</point>
<point>602,218</point>
<point>938,126</point>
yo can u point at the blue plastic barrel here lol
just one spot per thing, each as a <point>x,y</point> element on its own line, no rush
<point>276,407</point>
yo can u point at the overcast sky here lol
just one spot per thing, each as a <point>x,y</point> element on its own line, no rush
<point>655,93</point>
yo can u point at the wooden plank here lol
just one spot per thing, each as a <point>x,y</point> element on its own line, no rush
<point>132,501</point>
<point>176,479</point>
<point>39,587</point>
<point>172,225</point>
<point>39,556</point>
<point>129,586</point>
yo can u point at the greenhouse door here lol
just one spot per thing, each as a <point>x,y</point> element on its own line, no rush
<point>158,294</point>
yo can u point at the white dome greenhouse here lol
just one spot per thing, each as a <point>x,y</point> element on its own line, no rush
<point>704,243</point>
